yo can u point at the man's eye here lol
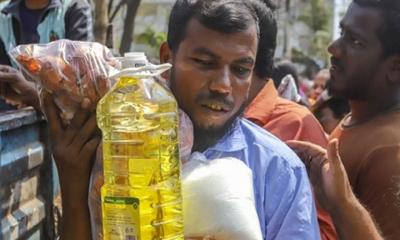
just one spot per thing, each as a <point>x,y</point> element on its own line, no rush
<point>356,42</point>
<point>202,62</point>
<point>241,71</point>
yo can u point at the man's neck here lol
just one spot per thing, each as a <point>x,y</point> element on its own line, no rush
<point>362,111</point>
<point>36,4</point>
<point>203,140</point>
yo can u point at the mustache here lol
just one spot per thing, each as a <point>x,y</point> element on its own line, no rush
<point>221,99</point>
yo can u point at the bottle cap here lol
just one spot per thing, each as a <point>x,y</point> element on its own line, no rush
<point>134,60</point>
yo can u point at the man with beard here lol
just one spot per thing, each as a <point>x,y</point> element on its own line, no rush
<point>365,70</point>
<point>212,45</point>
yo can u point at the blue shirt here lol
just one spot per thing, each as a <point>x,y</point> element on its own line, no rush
<point>283,195</point>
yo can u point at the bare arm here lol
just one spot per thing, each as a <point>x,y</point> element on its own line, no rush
<point>73,149</point>
<point>379,189</point>
<point>333,190</point>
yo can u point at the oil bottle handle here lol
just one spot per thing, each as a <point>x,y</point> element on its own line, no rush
<point>149,70</point>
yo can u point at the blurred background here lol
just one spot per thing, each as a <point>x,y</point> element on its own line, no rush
<point>306,27</point>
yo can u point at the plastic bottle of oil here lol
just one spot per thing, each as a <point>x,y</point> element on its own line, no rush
<point>141,196</point>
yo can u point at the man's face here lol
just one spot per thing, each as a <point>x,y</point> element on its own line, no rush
<point>211,74</point>
<point>319,84</point>
<point>357,56</point>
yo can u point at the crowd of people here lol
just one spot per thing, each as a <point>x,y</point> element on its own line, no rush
<point>340,176</point>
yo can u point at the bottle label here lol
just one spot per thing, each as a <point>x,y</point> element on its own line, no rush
<point>121,220</point>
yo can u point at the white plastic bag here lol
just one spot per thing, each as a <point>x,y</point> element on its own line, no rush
<point>288,89</point>
<point>218,199</point>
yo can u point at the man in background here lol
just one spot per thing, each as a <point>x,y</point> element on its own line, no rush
<point>36,21</point>
<point>284,118</point>
<point>366,71</point>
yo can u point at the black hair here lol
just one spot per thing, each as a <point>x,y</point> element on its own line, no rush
<point>226,16</point>
<point>268,31</point>
<point>282,69</point>
<point>389,32</point>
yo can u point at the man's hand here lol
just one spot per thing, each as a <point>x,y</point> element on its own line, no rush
<point>327,173</point>
<point>73,148</point>
<point>96,182</point>
<point>16,89</point>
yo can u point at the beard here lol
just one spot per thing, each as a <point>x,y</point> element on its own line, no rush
<point>330,89</point>
<point>357,92</point>
<point>207,137</point>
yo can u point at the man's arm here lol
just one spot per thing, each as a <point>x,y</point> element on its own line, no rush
<point>379,189</point>
<point>78,21</point>
<point>333,190</point>
<point>73,149</point>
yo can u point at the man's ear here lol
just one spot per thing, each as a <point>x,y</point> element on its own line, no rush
<point>165,57</point>
<point>394,70</point>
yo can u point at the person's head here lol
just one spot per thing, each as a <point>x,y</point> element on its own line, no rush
<point>331,112</point>
<point>263,69</point>
<point>282,69</point>
<point>212,45</point>
<point>268,32</point>
<point>366,58</point>
<point>319,83</point>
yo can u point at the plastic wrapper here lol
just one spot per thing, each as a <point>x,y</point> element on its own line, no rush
<point>69,70</point>
<point>218,199</point>
<point>288,89</point>
<point>97,179</point>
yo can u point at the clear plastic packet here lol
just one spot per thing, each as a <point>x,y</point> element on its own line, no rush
<point>69,70</point>
<point>288,89</point>
<point>185,143</point>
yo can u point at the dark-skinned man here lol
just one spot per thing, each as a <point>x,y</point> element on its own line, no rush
<point>365,70</point>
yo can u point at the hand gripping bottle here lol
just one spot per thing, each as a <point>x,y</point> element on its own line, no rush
<point>141,195</point>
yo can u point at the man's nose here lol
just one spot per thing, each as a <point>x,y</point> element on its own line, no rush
<point>334,48</point>
<point>221,83</point>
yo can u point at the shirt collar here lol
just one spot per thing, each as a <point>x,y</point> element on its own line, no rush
<point>14,6</point>
<point>263,104</point>
<point>232,141</point>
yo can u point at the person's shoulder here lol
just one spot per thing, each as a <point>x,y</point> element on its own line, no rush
<point>292,109</point>
<point>290,117</point>
<point>260,140</point>
<point>381,131</point>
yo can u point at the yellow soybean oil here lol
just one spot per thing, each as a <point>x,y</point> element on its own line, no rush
<point>141,197</point>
